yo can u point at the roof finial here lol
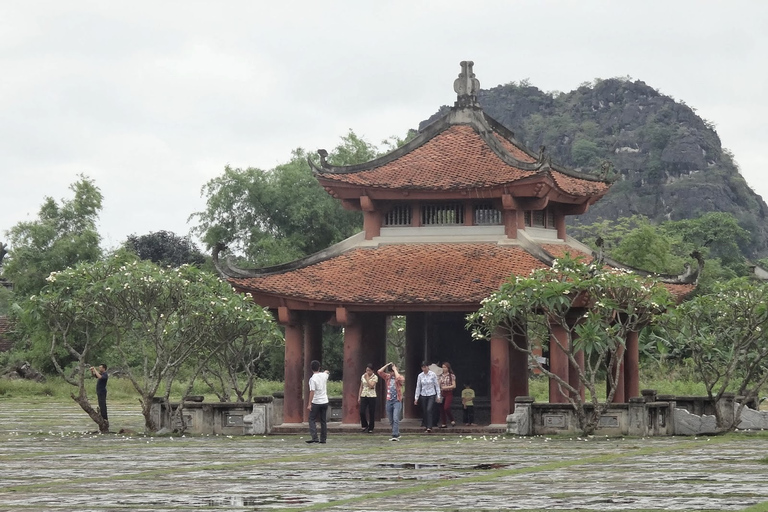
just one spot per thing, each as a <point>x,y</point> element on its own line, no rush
<point>466,86</point>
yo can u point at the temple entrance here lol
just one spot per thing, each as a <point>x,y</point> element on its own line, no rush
<point>449,340</point>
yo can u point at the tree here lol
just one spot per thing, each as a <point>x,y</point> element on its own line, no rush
<point>157,320</point>
<point>647,248</point>
<point>165,248</point>
<point>234,366</point>
<point>68,317</point>
<point>593,309</point>
<point>726,334</point>
<point>62,236</point>
<point>280,215</point>
<point>719,232</point>
<point>164,318</point>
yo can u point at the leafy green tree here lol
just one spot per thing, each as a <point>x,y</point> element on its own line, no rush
<point>664,248</point>
<point>584,152</point>
<point>647,248</point>
<point>280,215</point>
<point>165,248</point>
<point>63,235</point>
<point>718,232</point>
<point>594,307</point>
<point>726,334</point>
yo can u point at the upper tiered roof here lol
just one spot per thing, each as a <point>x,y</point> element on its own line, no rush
<point>463,151</point>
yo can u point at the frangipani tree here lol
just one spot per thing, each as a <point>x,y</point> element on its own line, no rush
<point>588,310</point>
<point>167,317</point>
<point>66,313</point>
<point>156,319</point>
<point>726,334</point>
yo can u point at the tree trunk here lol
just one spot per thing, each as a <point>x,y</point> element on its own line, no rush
<point>146,411</point>
<point>85,405</point>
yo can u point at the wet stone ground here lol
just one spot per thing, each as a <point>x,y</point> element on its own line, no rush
<point>49,461</point>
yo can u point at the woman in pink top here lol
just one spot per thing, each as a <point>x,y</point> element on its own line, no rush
<point>447,382</point>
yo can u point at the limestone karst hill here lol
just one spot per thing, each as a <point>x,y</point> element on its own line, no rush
<point>669,162</point>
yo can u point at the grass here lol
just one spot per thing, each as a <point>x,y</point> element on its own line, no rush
<point>120,389</point>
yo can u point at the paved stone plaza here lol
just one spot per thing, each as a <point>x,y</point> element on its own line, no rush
<point>49,463</point>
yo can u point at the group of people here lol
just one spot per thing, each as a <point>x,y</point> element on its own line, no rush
<point>430,390</point>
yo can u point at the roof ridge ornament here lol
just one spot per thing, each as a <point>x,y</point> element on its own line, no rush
<point>466,86</point>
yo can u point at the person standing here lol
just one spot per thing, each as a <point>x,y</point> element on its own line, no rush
<point>393,383</point>
<point>317,405</point>
<point>101,388</point>
<point>428,389</point>
<point>447,382</point>
<point>468,401</point>
<point>366,398</point>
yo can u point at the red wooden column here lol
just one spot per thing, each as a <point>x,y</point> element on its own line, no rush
<point>573,374</point>
<point>619,396</point>
<point>558,362</point>
<point>415,339</point>
<point>500,389</point>
<point>632,366</point>
<point>293,405</point>
<point>573,369</point>
<point>518,369</point>
<point>353,360</point>
<point>313,350</point>
<point>375,351</point>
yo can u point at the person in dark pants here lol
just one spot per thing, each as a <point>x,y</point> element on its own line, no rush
<point>366,398</point>
<point>428,389</point>
<point>101,388</point>
<point>318,403</point>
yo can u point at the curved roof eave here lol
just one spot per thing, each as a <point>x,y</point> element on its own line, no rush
<point>227,269</point>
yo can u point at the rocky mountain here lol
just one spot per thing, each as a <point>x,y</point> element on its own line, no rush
<point>667,161</point>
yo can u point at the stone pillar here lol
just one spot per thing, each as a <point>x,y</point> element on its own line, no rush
<point>313,350</point>
<point>499,378</point>
<point>727,405</point>
<point>558,362</point>
<point>638,417</point>
<point>521,422</point>
<point>632,366</point>
<point>415,339</point>
<point>293,404</point>
<point>518,370</point>
<point>353,362</point>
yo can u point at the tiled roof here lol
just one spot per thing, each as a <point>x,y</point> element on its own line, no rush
<point>559,251</point>
<point>458,158</point>
<point>412,274</point>
<point>438,273</point>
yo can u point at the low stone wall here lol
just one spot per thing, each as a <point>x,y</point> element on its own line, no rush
<point>227,418</point>
<point>650,415</point>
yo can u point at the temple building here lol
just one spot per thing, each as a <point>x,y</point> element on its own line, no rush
<point>447,218</point>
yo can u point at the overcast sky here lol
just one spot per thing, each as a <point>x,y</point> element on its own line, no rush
<point>152,99</point>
